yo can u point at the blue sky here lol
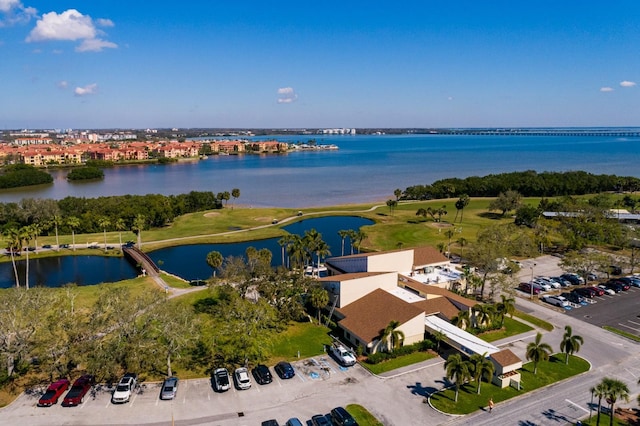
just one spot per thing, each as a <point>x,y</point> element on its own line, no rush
<point>139,64</point>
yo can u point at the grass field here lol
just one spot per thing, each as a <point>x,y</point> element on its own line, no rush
<point>304,338</point>
<point>511,328</point>
<point>549,372</point>
<point>362,415</point>
<point>399,362</point>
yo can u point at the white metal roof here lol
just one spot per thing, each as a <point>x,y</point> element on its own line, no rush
<point>461,337</point>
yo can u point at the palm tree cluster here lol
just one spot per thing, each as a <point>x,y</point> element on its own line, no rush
<point>435,213</point>
<point>301,250</point>
<point>460,371</point>
<point>538,351</point>
<point>611,390</point>
<point>483,316</point>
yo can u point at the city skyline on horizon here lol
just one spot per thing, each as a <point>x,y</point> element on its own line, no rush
<point>249,65</point>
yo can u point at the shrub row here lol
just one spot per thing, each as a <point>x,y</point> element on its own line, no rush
<point>379,357</point>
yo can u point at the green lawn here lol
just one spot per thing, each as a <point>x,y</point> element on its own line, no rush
<point>511,328</point>
<point>362,415</point>
<point>401,361</point>
<point>604,420</point>
<point>533,320</point>
<point>306,338</point>
<point>549,372</point>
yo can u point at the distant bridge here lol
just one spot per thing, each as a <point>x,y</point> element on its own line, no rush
<point>141,259</point>
<point>621,133</point>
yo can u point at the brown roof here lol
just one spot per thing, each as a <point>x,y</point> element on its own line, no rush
<point>369,315</point>
<point>427,256</point>
<point>438,305</point>
<point>505,358</point>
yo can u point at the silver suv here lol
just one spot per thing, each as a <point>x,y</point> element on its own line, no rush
<point>169,388</point>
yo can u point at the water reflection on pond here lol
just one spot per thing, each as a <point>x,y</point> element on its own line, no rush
<point>188,262</point>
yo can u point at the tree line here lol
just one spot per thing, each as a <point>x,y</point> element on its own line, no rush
<point>528,183</point>
<point>17,175</point>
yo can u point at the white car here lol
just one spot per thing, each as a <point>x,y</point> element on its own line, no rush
<point>559,301</point>
<point>607,290</point>
<point>543,285</point>
<point>243,381</point>
<point>124,388</point>
<point>550,282</point>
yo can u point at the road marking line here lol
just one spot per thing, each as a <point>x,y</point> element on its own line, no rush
<point>576,405</point>
<point>625,325</point>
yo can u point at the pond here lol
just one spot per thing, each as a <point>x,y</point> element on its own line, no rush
<point>188,262</point>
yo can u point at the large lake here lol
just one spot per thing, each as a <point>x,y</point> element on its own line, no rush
<point>364,169</point>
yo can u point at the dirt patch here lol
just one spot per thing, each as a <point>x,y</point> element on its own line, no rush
<point>440,225</point>
<point>629,415</point>
<point>211,214</point>
<point>263,219</point>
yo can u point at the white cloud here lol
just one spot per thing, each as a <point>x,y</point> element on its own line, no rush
<point>286,95</point>
<point>71,25</point>
<point>606,89</point>
<point>89,89</point>
<point>15,13</point>
<point>627,83</point>
<point>95,45</point>
<point>7,5</point>
<point>62,84</point>
<point>101,22</point>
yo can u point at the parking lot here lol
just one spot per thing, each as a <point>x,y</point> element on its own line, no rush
<point>621,311</point>
<point>196,399</point>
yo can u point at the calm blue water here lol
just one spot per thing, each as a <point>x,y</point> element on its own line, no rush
<point>188,262</point>
<point>364,169</point>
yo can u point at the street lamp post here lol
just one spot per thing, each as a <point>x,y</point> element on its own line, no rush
<point>531,281</point>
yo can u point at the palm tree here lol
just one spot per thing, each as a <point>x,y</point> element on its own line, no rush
<point>484,314</point>
<point>442,211</point>
<point>599,390</point>
<point>538,351</point>
<point>104,223</point>
<point>480,366</point>
<point>438,336</point>
<point>120,226</point>
<point>462,241</point>
<point>390,337</point>
<point>449,233</point>
<point>398,194</point>
<point>319,298</point>
<point>139,224</point>
<point>506,306</point>
<point>214,259</point>
<point>235,193</point>
<point>73,223</point>
<point>392,204</point>
<point>570,343</point>
<point>12,235</point>
<point>462,202</point>
<point>352,239</point>
<point>457,371</point>
<point>462,320</point>
<point>297,252</point>
<point>344,233</point>
<point>360,236</point>
<point>26,234</point>
<point>616,389</point>
<point>55,221</point>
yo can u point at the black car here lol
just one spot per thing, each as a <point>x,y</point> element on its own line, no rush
<point>614,285</point>
<point>284,370</point>
<point>574,297</point>
<point>262,374</point>
<point>271,422</point>
<point>340,417</point>
<point>320,420</point>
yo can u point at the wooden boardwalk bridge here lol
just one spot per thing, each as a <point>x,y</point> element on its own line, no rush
<point>141,260</point>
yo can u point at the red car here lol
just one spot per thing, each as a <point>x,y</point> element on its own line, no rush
<point>53,393</point>
<point>76,394</point>
<point>598,291</point>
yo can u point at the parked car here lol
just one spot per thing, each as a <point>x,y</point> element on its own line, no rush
<point>341,417</point>
<point>53,393</point>
<point>562,281</point>
<point>548,281</point>
<point>262,374</point>
<point>574,298</point>
<point>526,287</point>
<point>169,388</point>
<point>284,370</point>
<point>272,422</point>
<point>124,388</point>
<point>607,290</point>
<point>320,420</point>
<point>294,421</point>
<point>599,291</point>
<point>243,381</point>
<point>615,270</point>
<point>76,394</point>
<point>616,287</point>
<point>542,284</point>
<point>221,379</point>
<point>635,280</point>
<point>46,246</point>
<point>574,279</point>
<point>588,292</point>
<point>591,276</point>
<point>345,357</point>
<point>626,282</point>
<point>556,301</point>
